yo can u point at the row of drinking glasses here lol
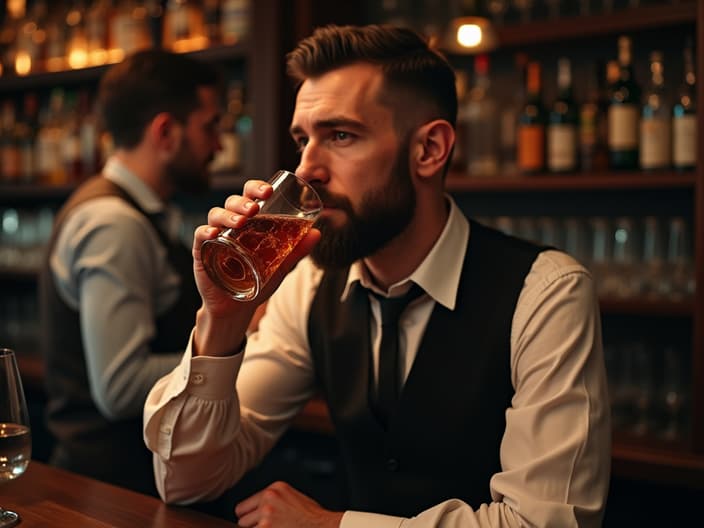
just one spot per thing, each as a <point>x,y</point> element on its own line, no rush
<point>23,235</point>
<point>630,257</point>
<point>649,388</point>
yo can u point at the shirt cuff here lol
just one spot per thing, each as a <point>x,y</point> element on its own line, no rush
<point>213,378</point>
<point>355,519</point>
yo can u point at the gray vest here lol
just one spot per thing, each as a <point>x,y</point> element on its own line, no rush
<point>443,442</point>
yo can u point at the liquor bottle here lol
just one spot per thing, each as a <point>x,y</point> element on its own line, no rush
<point>76,36</point>
<point>531,124</point>
<point>593,124</point>
<point>509,117</point>
<point>684,117</point>
<point>228,159</point>
<point>459,156</point>
<point>624,112</point>
<point>655,122</point>
<point>97,32</point>
<point>28,126</point>
<point>234,20</point>
<point>562,123</point>
<point>10,158</point>
<point>482,141</point>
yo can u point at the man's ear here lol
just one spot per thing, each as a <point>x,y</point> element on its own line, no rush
<point>164,133</point>
<point>432,146</point>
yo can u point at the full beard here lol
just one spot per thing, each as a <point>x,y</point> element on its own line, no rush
<point>186,175</point>
<point>384,213</point>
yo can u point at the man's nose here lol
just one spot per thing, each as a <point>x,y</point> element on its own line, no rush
<point>313,166</point>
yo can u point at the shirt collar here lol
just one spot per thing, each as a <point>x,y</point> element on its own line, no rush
<point>140,192</point>
<point>442,287</point>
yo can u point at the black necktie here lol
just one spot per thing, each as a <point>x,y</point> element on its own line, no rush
<point>388,386</point>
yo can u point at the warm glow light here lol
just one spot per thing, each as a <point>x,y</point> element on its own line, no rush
<point>23,63</point>
<point>78,58</point>
<point>97,56</point>
<point>469,35</point>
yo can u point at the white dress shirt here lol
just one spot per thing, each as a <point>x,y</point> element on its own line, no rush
<point>555,452</point>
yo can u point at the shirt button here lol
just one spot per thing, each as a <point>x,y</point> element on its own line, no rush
<point>166,429</point>
<point>392,464</point>
<point>197,378</point>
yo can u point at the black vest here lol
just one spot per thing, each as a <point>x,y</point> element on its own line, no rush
<point>87,442</point>
<point>443,442</point>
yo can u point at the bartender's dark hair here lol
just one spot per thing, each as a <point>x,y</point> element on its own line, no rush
<point>146,83</point>
<point>419,83</point>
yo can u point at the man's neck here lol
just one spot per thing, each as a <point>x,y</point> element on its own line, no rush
<point>402,256</point>
<point>144,167</point>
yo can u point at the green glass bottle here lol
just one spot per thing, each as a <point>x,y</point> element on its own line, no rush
<point>562,123</point>
<point>624,111</point>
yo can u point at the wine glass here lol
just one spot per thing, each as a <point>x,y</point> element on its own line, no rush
<point>15,436</point>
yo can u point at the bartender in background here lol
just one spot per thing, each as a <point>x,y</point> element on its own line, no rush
<point>117,293</point>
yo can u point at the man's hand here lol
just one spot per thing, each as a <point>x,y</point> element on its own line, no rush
<point>221,322</point>
<point>281,506</point>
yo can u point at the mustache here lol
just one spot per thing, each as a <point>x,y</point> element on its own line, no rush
<point>333,200</point>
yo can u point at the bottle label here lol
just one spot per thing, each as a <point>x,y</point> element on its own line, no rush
<point>623,127</point>
<point>684,144</point>
<point>531,147</point>
<point>562,147</point>
<point>654,143</point>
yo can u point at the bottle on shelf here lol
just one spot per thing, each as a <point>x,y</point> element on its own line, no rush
<point>228,159</point>
<point>10,33</point>
<point>55,49</point>
<point>655,121</point>
<point>28,127</point>
<point>593,124</point>
<point>481,144</point>
<point>684,117</point>
<point>184,30</point>
<point>510,111</point>
<point>624,110</point>
<point>77,41</point>
<point>10,158</point>
<point>530,141</point>
<point>97,18</point>
<point>234,20</point>
<point>459,157</point>
<point>562,123</point>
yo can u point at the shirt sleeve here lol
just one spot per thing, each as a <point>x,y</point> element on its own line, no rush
<point>212,419</point>
<point>106,264</point>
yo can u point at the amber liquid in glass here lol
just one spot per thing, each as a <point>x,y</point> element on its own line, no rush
<point>266,240</point>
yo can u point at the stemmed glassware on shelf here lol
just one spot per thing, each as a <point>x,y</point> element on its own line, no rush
<point>15,433</point>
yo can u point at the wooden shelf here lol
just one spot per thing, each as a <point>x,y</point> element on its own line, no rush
<point>18,275</point>
<point>643,306</point>
<point>619,21</point>
<point>91,74</point>
<point>461,182</point>
<point>24,191</point>
<point>674,466</point>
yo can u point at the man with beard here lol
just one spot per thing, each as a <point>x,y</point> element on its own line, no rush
<point>501,415</point>
<point>117,291</point>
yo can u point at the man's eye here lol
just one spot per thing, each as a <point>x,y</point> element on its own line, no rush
<point>300,143</point>
<point>340,135</point>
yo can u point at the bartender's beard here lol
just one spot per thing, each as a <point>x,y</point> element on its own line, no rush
<point>186,173</point>
<point>383,214</point>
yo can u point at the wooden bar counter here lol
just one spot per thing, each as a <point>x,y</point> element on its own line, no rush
<point>46,496</point>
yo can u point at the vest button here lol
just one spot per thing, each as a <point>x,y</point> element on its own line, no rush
<point>392,464</point>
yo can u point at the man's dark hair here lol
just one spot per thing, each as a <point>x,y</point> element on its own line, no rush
<point>419,83</point>
<point>145,84</point>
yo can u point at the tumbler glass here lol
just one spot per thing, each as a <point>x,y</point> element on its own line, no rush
<point>242,260</point>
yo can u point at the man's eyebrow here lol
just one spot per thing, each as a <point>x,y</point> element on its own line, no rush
<point>334,122</point>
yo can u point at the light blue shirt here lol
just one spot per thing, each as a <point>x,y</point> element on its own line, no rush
<point>109,263</point>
